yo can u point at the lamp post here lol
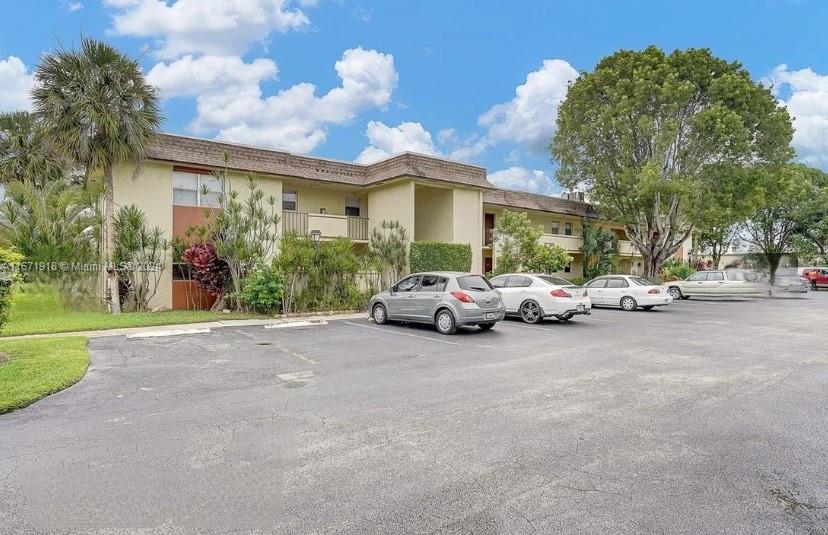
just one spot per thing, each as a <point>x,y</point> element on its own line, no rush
<point>315,236</point>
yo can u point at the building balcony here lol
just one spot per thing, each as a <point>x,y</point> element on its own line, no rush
<point>331,226</point>
<point>572,244</point>
<point>626,248</point>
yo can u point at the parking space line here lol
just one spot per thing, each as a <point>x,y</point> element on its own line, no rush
<point>522,326</point>
<point>402,334</point>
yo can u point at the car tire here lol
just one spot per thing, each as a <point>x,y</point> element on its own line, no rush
<point>675,293</point>
<point>380,314</point>
<point>444,321</point>
<point>628,304</point>
<point>530,312</point>
<point>685,297</point>
<point>485,326</point>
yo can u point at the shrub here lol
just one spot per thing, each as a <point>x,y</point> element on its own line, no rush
<point>209,271</point>
<point>321,277</point>
<point>263,289</point>
<point>440,256</point>
<point>673,269</point>
<point>579,281</point>
<point>547,259</point>
<point>9,264</point>
<point>388,251</point>
<point>140,255</point>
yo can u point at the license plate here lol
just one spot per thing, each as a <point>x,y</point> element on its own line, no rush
<point>580,307</point>
<point>490,315</point>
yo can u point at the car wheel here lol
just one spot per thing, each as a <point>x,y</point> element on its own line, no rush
<point>445,322</point>
<point>530,312</point>
<point>628,303</point>
<point>486,326</point>
<point>648,307</point>
<point>379,314</point>
<point>685,297</point>
<point>675,293</point>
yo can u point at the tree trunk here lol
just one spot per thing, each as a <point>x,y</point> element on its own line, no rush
<point>109,243</point>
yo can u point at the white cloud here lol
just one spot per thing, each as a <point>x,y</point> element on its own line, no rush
<point>191,76</point>
<point>807,102</point>
<point>530,117</point>
<point>212,27</point>
<point>387,140</point>
<point>15,84</point>
<point>74,6</point>
<point>522,179</point>
<point>296,118</point>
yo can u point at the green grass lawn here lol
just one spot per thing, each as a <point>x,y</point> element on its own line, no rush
<point>41,311</point>
<point>33,369</point>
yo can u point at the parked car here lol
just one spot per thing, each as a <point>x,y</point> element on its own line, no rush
<point>626,291</point>
<point>535,297</point>
<point>728,282</point>
<point>817,277</point>
<point>789,281</point>
<point>444,299</point>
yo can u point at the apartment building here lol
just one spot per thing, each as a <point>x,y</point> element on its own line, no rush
<point>433,198</point>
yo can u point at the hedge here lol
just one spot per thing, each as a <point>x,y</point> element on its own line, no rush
<point>440,256</point>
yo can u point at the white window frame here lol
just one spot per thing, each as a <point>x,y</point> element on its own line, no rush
<point>198,189</point>
<point>295,200</point>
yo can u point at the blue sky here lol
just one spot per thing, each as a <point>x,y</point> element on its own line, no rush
<point>357,80</point>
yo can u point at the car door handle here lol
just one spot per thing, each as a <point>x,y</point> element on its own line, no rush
<point>437,296</point>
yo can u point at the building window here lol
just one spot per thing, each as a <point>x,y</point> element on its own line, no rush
<point>352,207</point>
<point>290,200</point>
<point>197,189</point>
<point>568,268</point>
<point>568,229</point>
<point>554,228</point>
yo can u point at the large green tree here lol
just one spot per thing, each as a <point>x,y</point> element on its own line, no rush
<point>25,153</point>
<point>97,108</point>
<point>787,194</point>
<point>641,132</point>
<point>731,194</point>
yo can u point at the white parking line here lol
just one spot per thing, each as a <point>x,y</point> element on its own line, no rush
<point>387,331</point>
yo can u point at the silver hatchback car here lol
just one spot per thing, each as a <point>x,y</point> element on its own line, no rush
<point>445,299</point>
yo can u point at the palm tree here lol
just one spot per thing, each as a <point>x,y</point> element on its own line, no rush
<point>600,250</point>
<point>25,153</point>
<point>97,107</point>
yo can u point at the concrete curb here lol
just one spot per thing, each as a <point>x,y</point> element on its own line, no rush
<point>201,325</point>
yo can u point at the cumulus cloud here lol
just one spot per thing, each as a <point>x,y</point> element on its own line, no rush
<point>805,94</point>
<point>193,76</point>
<point>296,118</point>
<point>522,179</point>
<point>386,140</point>
<point>15,84</point>
<point>530,117</point>
<point>527,120</point>
<point>210,27</point>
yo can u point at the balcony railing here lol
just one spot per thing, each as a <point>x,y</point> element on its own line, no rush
<point>571,243</point>
<point>331,226</point>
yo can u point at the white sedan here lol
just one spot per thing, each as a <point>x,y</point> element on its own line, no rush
<point>535,297</point>
<point>626,291</point>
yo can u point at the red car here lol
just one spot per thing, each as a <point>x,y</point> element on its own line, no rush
<point>818,277</point>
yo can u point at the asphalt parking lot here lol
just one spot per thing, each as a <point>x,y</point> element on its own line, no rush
<point>703,417</point>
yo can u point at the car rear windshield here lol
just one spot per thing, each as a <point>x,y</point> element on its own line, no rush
<point>474,283</point>
<point>641,281</point>
<point>555,280</point>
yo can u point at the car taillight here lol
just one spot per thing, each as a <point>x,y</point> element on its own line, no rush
<point>463,297</point>
<point>559,293</point>
<point>654,291</point>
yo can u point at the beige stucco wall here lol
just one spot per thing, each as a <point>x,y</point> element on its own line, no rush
<point>467,223</point>
<point>150,190</point>
<point>433,209</point>
<point>313,200</point>
<point>392,202</point>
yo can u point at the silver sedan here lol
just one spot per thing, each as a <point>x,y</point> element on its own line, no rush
<point>445,299</point>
